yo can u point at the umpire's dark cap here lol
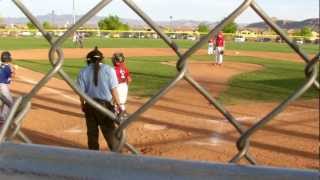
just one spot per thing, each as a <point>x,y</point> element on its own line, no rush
<point>94,55</point>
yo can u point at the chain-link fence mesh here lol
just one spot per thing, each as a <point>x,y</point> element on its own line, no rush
<point>21,106</point>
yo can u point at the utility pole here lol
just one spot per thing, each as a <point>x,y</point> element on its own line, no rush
<point>52,17</point>
<point>171,25</point>
<point>74,12</point>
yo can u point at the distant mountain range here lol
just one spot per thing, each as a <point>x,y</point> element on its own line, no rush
<point>63,20</point>
<point>287,24</point>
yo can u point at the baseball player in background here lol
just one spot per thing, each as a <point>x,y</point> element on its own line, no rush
<point>219,42</point>
<point>211,46</point>
<point>78,39</point>
<point>81,39</point>
<point>124,79</point>
<point>6,73</point>
<point>75,39</point>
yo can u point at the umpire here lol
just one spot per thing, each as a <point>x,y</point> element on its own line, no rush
<point>98,81</point>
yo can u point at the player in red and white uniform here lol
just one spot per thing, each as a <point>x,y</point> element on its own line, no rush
<point>219,42</point>
<point>124,78</point>
<point>211,46</point>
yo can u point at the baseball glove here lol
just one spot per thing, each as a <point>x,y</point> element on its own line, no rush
<point>222,52</point>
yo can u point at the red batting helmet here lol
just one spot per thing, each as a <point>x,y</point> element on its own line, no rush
<point>118,58</point>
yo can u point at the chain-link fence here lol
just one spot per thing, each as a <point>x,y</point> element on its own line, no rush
<point>21,106</point>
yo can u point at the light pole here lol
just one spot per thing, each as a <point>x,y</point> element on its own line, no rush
<point>74,12</point>
<point>52,17</point>
<point>171,26</point>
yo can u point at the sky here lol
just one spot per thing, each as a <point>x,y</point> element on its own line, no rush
<point>162,10</point>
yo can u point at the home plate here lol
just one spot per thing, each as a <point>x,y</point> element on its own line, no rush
<point>215,139</point>
<point>154,127</point>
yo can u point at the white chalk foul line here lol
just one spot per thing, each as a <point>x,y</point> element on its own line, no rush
<point>73,130</point>
<point>154,127</point>
<point>198,143</point>
<point>51,90</point>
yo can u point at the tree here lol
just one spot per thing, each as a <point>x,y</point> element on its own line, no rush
<point>31,26</point>
<point>203,28</point>
<point>112,23</point>
<point>2,23</point>
<point>46,25</point>
<point>230,28</point>
<point>305,32</point>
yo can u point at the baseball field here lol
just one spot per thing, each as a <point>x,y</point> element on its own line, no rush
<point>254,79</point>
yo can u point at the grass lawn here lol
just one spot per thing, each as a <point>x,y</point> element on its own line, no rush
<point>148,74</point>
<point>273,83</point>
<point>9,43</point>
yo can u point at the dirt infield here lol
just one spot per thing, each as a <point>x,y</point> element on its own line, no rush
<point>182,125</point>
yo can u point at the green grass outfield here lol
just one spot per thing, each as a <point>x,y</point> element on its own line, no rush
<point>274,82</point>
<point>10,43</point>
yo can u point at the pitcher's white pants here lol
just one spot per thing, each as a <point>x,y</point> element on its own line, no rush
<point>219,56</point>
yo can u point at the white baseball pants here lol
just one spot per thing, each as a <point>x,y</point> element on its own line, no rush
<point>123,94</point>
<point>4,109</point>
<point>219,56</point>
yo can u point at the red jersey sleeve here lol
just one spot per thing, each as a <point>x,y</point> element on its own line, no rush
<point>127,73</point>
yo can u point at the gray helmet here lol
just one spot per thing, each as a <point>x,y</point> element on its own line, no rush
<point>6,56</point>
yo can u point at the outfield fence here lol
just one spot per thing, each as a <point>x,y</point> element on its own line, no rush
<point>12,127</point>
<point>151,34</point>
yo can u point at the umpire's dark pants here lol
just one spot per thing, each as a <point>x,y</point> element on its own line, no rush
<point>94,119</point>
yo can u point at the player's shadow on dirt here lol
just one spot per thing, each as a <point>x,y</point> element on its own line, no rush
<point>227,136</point>
<point>281,122</point>
<point>273,129</point>
<point>46,139</point>
<point>207,116</point>
<point>171,100</point>
<point>306,105</point>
